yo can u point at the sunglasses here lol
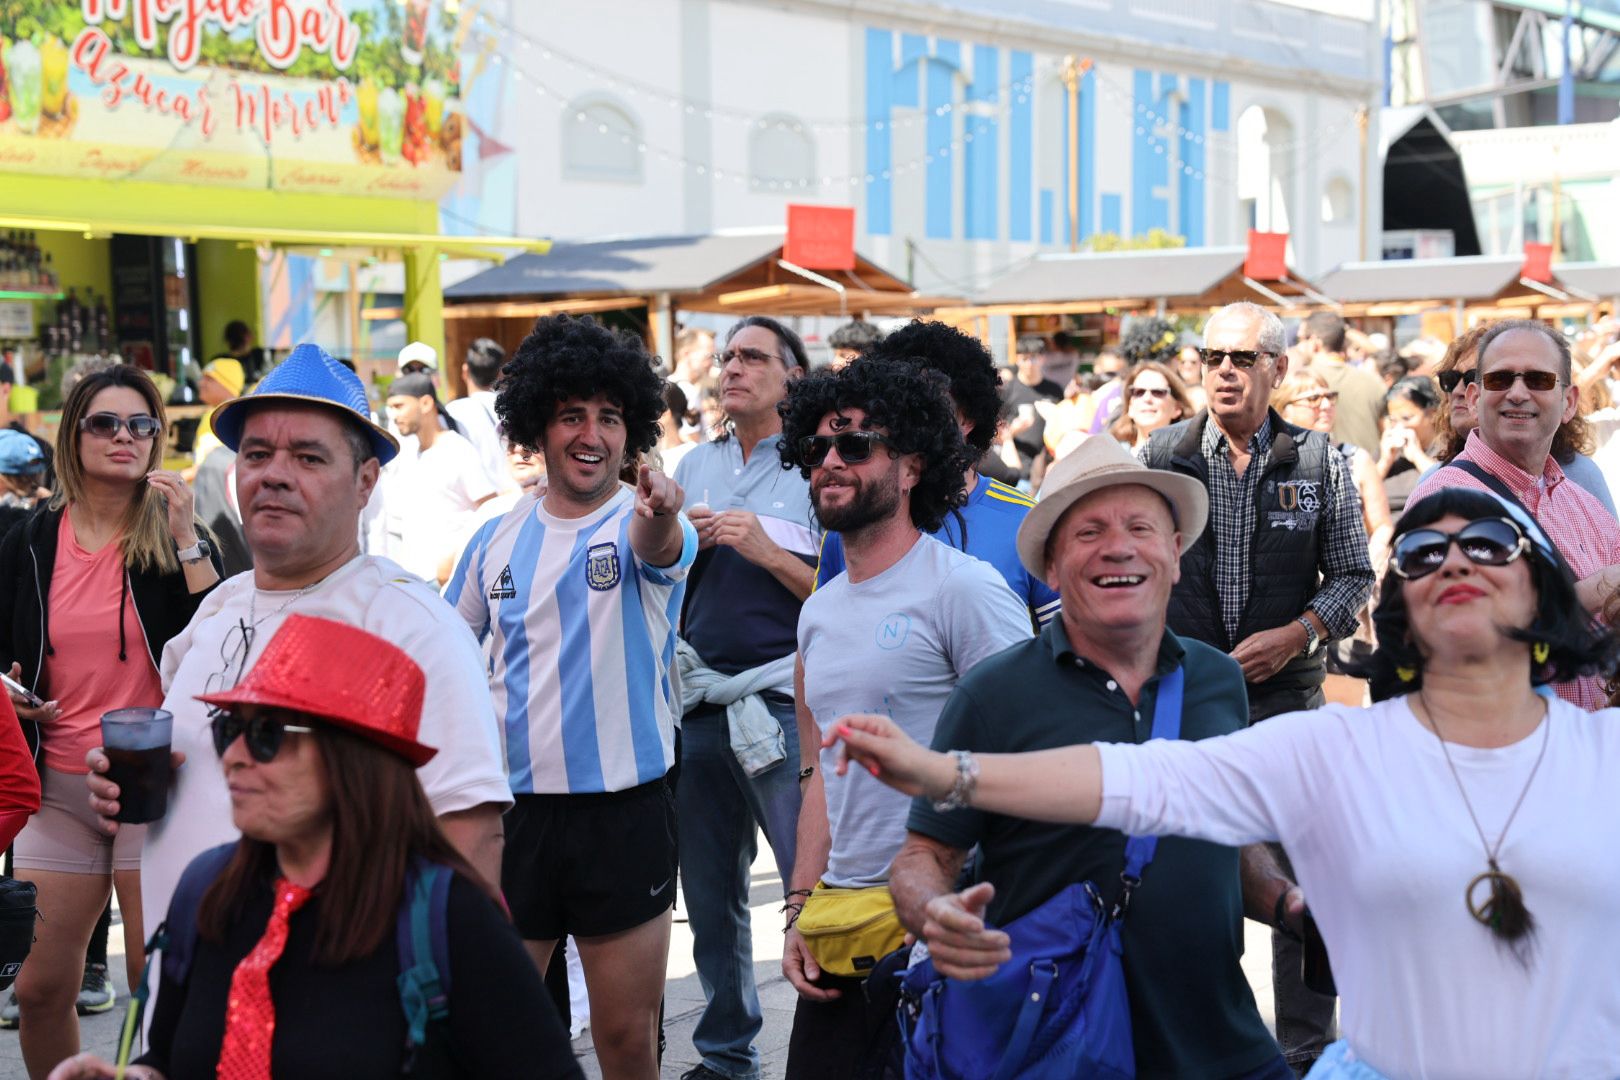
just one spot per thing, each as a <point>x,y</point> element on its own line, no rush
<point>1486,542</point>
<point>1539,381</point>
<point>1242,359</point>
<point>261,735</point>
<point>854,447</point>
<point>1325,397</point>
<point>106,425</point>
<point>1450,380</point>
<point>1149,391</point>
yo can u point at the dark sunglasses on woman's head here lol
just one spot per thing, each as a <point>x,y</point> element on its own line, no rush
<point>854,447</point>
<point>1539,381</point>
<point>262,734</point>
<point>106,425</point>
<point>1242,359</point>
<point>1154,391</point>
<point>1450,380</point>
<point>1486,542</point>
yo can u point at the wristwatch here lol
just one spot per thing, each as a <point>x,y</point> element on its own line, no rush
<point>1312,642</point>
<point>196,552</point>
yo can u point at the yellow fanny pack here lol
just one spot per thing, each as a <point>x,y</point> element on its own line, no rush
<point>850,930</point>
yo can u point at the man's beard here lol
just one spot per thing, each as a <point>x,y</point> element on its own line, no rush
<point>874,501</point>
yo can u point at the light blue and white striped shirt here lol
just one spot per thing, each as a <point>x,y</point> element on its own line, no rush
<point>582,644</point>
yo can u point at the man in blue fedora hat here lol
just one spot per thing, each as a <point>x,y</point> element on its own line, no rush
<point>308,455</point>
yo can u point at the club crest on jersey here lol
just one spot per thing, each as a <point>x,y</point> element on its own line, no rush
<point>504,588</point>
<point>602,566</point>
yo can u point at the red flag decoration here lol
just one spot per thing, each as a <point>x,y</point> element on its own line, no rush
<point>488,145</point>
<point>1537,263</point>
<point>820,237</point>
<point>1267,259</point>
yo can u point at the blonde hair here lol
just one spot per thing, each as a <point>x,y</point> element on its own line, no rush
<point>1296,383</point>
<point>144,535</point>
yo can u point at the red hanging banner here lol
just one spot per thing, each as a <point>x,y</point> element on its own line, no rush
<point>820,237</point>
<point>1267,259</point>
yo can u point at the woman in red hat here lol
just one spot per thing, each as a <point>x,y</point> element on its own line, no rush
<point>292,964</point>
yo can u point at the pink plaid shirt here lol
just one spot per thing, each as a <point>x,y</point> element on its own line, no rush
<point>1572,516</point>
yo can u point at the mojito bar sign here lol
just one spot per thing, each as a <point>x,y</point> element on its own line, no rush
<point>351,97</point>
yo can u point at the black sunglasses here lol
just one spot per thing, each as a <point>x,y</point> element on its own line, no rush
<point>1486,542</point>
<point>1242,359</point>
<point>106,425</point>
<point>262,734</point>
<point>1450,380</point>
<point>1150,391</point>
<point>1498,381</point>
<point>854,447</point>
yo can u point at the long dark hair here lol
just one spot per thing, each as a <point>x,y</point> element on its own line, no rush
<point>1576,644</point>
<point>381,820</point>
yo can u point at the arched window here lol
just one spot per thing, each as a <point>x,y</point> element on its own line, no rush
<point>781,154</point>
<point>601,140</point>
<point>1338,202</point>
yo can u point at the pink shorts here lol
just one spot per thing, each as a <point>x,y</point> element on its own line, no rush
<point>66,837</point>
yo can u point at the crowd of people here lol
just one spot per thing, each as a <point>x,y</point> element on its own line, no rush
<point>496,680</point>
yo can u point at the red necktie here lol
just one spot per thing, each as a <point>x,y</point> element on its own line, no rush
<point>250,1015</point>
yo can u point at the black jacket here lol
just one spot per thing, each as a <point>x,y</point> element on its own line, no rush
<point>27,558</point>
<point>1285,560</point>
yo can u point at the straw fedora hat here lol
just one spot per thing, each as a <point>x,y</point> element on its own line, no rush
<point>1098,463</point>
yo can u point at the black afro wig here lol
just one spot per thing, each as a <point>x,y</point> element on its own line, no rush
<point>910,404</point>
<point>575,358</point>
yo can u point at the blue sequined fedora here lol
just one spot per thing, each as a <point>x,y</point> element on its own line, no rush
<point>308,375</point>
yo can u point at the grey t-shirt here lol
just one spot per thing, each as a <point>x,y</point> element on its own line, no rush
<point>895,644</point>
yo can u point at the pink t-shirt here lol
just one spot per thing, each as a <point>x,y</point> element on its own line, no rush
<point>82,672</point>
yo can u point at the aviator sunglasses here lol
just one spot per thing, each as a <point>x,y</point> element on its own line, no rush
<point>854,447</point>
<point>262,735</point>
<point>106,425</point>
<point>1486,542</point>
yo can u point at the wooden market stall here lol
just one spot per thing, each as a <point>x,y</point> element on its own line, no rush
<point>650,279</point>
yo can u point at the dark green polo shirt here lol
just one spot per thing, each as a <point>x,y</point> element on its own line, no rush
<point>1191,1006</point>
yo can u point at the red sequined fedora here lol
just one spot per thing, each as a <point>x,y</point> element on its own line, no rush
<point>342,675</point>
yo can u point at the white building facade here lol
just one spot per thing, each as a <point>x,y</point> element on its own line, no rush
<point>946,125</point>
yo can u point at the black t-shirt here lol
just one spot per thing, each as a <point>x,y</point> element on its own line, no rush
<point>1016,394</point>
<point>347,1023</point>
<point>1192,1011</point>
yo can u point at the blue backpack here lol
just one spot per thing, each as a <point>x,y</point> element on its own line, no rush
<point>421,935</point>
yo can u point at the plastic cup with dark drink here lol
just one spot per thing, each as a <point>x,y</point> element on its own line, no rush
<point>136,742</point>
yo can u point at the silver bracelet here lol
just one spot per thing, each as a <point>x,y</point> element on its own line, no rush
<point>967,777</point>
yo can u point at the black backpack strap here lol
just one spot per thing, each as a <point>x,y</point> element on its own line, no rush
<point>1492,482</point>
<point>176,936</point>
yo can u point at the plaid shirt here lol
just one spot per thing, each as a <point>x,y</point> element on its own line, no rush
<point>1573,518</point>
<point>1347,576</point>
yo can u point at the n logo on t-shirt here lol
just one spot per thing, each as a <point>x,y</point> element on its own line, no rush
<point>504,588</point>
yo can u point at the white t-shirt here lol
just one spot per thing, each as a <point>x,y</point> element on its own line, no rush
<point>375,595</point>
<point>1364,803</point>
<point>895,644</point>
<point>476,415</point>
<point>432,496</point>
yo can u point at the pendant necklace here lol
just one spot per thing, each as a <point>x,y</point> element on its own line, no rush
<point>1500,886</point>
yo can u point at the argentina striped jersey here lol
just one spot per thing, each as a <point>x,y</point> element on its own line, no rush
<point>582,641</point>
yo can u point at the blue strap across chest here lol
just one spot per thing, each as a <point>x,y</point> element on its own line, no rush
<point>1166,725</point>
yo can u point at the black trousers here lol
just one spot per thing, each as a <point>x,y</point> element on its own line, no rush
<point>854,1037</point>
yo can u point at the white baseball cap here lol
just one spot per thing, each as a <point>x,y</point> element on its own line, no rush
<point>418,352</point>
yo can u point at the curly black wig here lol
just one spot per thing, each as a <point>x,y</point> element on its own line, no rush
<point>1577,645</point>
<point>974,385</point>
<point>568,357</point>
<point>910,404</point>
<point>1151,338</point>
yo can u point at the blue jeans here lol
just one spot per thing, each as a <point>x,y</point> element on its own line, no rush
<point>717,808</point>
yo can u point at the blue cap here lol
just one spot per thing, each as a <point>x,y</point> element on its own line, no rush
<point>309,375</point>
<point>19,453</point>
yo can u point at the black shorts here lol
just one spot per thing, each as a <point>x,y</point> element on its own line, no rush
<point>589,865</point>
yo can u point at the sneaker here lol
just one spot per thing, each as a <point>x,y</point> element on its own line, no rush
<point>96,994</point>
<point>703,1072</point>
<point>9,1012</point>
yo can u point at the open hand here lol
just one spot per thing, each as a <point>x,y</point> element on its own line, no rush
<point>878,745</point>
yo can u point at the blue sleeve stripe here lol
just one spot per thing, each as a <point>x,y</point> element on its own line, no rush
<point>661,574</point>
